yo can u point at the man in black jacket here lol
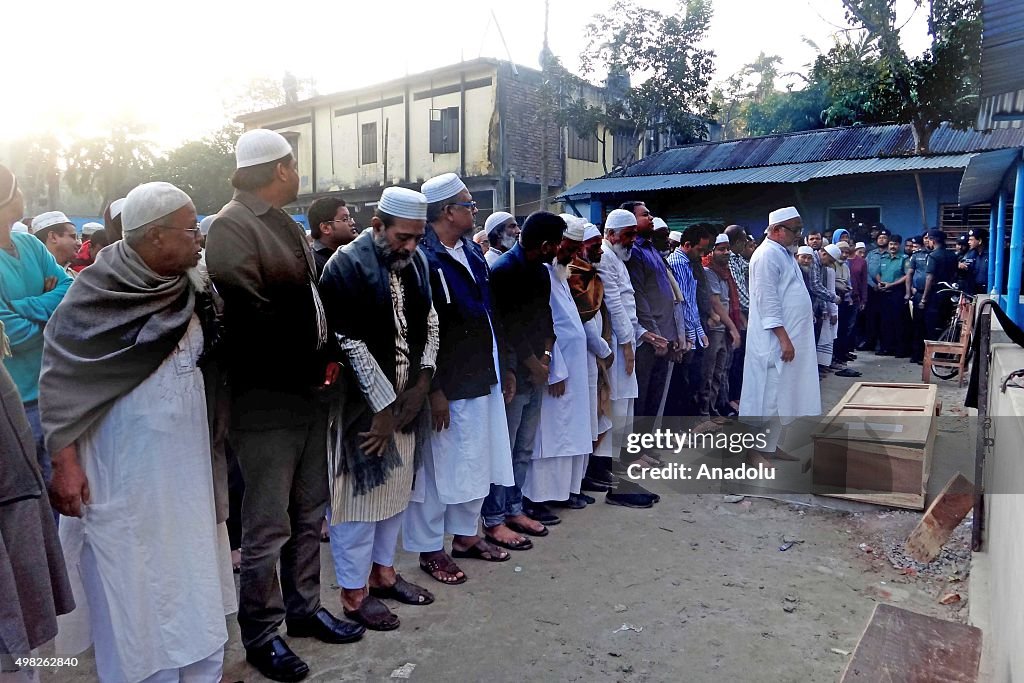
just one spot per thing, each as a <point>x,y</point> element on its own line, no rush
<point>469,443</point>
<point>522,291</point>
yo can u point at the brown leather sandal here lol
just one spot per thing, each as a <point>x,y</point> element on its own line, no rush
<point>374,615</point>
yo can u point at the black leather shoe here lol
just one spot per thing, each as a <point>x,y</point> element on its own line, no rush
<point>325,627</point>
<point>539,512</point>
<point>595,486</point>
<point>629,500</point>
<point>589,500</point>
<point>572,503</point>
<point>276,661</point>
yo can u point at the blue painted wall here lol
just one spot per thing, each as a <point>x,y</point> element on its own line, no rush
<point>749,205</point>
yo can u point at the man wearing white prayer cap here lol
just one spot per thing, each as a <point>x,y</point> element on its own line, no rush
<point>91,227</point>
<point>58,233</point>
<point>780,376</point>
<point>376,292</point>
<point>675,238</point>
<point>723,336</point>
<point>279,361</point>
<point>111,452</point>
<point>112,219</point>
<point>18,226</point>
<point>470,449</point>
<point>32,286</point>
<point>502,232</point>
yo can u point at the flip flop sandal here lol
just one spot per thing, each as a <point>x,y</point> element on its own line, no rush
<point>374,615</point>
<point>405,592</point>
<point>476,552</point>
<point>442,564</point>
<point>520,529</point>
<point>525,544</point>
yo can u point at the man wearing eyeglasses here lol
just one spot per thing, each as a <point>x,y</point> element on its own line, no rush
<point>780,369</point>
<point>331,226</point>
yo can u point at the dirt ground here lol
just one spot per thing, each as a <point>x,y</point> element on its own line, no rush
<point>694,589</point>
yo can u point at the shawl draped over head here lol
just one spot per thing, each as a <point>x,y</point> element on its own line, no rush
<point>723,272</point>
<point>588,294</point>
<point>356,292</point>
<point>117,324</point>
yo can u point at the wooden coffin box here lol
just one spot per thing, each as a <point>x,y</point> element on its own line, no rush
<point>875,446</point>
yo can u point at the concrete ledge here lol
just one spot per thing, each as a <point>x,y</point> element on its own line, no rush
<point>979,611</point>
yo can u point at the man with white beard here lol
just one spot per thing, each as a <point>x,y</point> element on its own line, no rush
<point>502,233</point>
<point>564,436</point>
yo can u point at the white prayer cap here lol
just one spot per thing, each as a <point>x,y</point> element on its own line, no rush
<point>721,239</point>
<point>204,225</point>
<point>590,231</point>
<point>48,220</point>
<point>18,226</point>
<point>260,146</point>
<point>91,227</point>
<point>843,245</point>
<point>150,202</point>
<point>619,219</point>
<point>442,187</point>
<point>401,202</point>
<point>833,251</point>
<point>676,236</point>
<point>497,218</point>
<point>779,215</point>
<point>859,245</point>
<point>804,250</point>
<point>660,224</point>
<point>115,208</point>
<point>574,227</point>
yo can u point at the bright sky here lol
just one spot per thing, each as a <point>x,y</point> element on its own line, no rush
<point>77,65</point>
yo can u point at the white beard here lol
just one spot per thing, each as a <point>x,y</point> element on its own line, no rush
<point>507,242</point>
<point>561,272</point>
<point>197,280</point>
<point>792,249</point>
<point>622,252</point>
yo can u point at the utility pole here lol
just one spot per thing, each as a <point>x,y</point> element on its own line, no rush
<point>545,109</point>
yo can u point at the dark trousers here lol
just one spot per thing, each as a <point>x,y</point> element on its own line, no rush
<point>894,323</point>
<point>712,369</point>
<point>937,314</point>
<point>844,339</point>
<point>677,401</point>
<point>736,369</point>
<point>651,373</point>
<point>917,330</point>
<point>236,489</point>
<point>872,314</point>
<point>285,474</point>
<point>694,375</point>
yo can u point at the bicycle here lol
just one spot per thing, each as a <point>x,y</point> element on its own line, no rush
<point>952,331</point>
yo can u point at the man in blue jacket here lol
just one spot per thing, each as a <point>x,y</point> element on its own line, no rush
<point>470,449</point>
<point>31,287</point>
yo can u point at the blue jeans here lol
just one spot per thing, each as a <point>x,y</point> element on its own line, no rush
<point>523,416</point>
<point>42,455</point>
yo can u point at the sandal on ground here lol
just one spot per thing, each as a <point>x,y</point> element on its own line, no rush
<point>525,544</point>
<point>443,564</point>
<point>405,592</point>
<point>521,529</point>
<point>374,615</point>
<point>482,550</point>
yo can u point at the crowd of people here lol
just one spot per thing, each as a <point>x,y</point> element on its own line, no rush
<point>191,389</point>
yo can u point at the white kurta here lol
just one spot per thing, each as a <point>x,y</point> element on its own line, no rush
<point>778,297</point>
<point>146,563</point>
<point>828,333</point>
<point>564,442</point>
<point>597,347</point>
<point>474,451</point>
<point>620,301</point>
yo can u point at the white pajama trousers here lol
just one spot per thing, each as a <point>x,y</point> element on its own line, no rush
<point>426,523</point>
<point>356,546</point>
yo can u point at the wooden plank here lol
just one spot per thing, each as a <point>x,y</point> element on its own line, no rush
<point>941,519</point>
<point>900,645</point>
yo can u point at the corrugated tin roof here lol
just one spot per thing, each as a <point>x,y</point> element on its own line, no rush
<point>857,142</point>
<point>1001,46</point>
<point>786,173</point>
<point>985,174</point>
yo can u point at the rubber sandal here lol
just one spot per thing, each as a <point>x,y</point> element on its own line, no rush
<point>405,592</point>
<point>520,529</point>
<point>526,543</point>
<point>443,564</point>
<point>475,552</point>
<point>374,615</point>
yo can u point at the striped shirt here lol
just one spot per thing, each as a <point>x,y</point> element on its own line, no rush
<point>740,269</point>
<point>679,262</point>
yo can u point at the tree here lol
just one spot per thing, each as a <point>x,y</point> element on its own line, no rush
<point>674,102</point>
<point>110,165</point>
<point>202,168</point>
<point>942,84</point>
<point>39,159</point>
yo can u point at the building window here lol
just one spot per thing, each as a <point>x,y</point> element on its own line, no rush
<point>623,147</point>
<point>444,130</point>
<point>956,220</point>
<point>857,219</point>
<point>368,153</point>
<point>293,140</point>
<point>582,148</point>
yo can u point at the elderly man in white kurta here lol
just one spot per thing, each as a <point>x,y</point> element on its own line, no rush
<point>587,290</point>
<point>780,373</point>
<point>827,257</point>
<point>564,442</point>
<point>469,443</point>
<point>124,409</point>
